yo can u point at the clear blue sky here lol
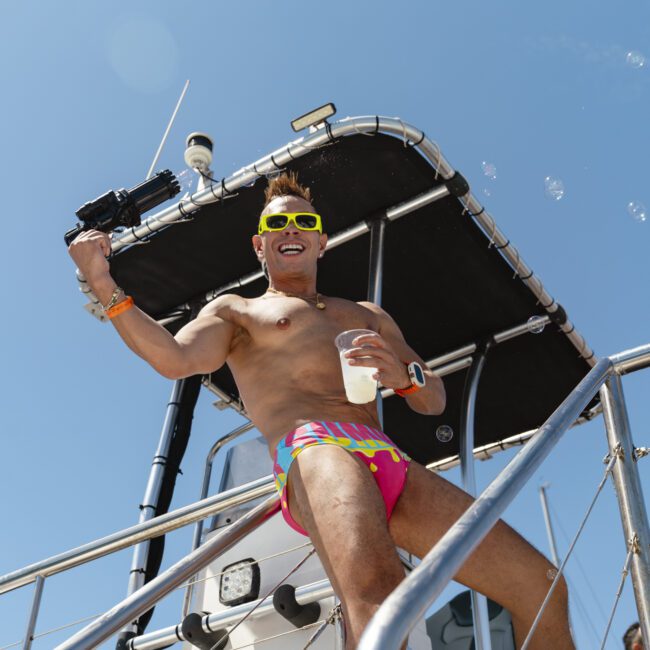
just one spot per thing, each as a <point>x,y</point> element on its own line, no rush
<point>536,89</point>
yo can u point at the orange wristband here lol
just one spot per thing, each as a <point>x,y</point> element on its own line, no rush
<point>120,308</point>
<point>400,391</point>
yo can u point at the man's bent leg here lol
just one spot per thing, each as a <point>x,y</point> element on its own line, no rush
<point>334,497</point>
<point>504,567</point>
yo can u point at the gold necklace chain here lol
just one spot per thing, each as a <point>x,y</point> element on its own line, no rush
<point>315,300</point>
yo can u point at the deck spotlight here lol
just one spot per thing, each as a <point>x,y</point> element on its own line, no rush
<point>313,118</point>
<point>198,151</point>
<point>240,582</point>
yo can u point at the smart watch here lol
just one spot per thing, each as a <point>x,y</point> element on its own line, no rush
<point>417,377</point>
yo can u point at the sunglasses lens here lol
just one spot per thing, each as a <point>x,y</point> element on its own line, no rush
<point>306,221</point>
<point>277,221</point>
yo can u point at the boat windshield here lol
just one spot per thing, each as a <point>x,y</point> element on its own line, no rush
<point>245,462</point>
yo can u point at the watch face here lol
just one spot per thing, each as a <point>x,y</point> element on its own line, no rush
<point>418,377</point>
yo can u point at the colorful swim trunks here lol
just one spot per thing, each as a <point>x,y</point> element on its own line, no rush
<point>386,462</point>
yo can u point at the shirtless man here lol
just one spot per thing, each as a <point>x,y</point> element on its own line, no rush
<point>349,487</point>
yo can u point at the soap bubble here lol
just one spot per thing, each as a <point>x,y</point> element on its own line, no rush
<point>185,179</point>
<point>637,210</point>
<point>444,433</point>
<point>554,188</point>
<point>635,59</point>
<point>551,574</point>
<point>487,192</point>
<point>536,324</point>
<point>489,169</point>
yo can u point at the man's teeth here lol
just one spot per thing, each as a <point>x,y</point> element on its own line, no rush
<point>291,249</point>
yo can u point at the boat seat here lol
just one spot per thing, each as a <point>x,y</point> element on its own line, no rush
<point>451,627</point>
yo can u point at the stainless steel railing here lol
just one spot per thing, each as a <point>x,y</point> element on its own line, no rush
<point>130,536</point>
<point>400,611</point>
<point>147,596</point>
<point>444,560</point>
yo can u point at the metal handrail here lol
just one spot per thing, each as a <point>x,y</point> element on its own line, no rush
<point>219,620</point>
<point>410,600</point>
<point>631,360</point>
<point>146,597</point>
<point>129,536</point>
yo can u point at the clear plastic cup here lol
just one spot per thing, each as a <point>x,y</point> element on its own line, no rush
<point>360,387</point>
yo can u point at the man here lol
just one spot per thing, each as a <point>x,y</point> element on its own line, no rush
<point>632,638</point>
<point>353,492</point>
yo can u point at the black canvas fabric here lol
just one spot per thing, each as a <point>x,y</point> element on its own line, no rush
<point>443,283</point>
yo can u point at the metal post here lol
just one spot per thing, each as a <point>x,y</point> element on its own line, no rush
<point>549,526</point>
<point>480,615</point>
<point>339,630</point>
<point>409,601</point>
<point>152,493</point>
<point>629,494</point>
<point>141,601</point>
<point>33,614</point>
<point>375,279</point>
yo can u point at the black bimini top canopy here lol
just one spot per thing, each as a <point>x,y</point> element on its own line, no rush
<point>451,279</point>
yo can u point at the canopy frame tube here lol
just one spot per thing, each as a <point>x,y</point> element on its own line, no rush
<point>480,615</point>
<point>369,125</point>
<point>152,494</point>
<point>375,281</point>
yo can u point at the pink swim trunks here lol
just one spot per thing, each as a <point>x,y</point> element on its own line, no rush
<point>386,462</point>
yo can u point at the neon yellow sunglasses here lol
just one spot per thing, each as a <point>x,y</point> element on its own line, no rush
<point>280,220</point>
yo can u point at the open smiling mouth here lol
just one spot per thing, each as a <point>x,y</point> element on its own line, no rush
<point>291,249</point>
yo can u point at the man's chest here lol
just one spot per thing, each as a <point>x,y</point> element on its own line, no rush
<point>279,321</point>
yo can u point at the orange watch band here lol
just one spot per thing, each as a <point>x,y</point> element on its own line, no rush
<point>413,388</point>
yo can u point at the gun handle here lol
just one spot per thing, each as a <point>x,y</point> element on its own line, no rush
<point>70,236</point>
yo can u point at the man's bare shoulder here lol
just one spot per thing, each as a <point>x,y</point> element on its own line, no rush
<point>228,307</point>
<point>375,309</point>
<point>385,321</point>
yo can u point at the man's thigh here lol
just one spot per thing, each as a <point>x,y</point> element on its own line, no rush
<point>505,566</point>
<point>334,497</point>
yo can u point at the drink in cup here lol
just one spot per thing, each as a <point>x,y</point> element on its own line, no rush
<point>360,387</point>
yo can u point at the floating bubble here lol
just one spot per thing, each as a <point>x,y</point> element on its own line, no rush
<point>487,192</point>
<point>635,59</point>
<point>637,210</point>
<point>551,574</point>
<point>185,179</point>
<point>536,324</point>
<point>444,433</point>
<point>554,188</point>
<point>489,169</point>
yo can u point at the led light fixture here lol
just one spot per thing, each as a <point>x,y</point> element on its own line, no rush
<point>240,582</point>
<point>313,117</point>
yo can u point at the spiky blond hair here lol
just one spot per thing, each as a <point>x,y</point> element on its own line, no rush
<point>286,185</point>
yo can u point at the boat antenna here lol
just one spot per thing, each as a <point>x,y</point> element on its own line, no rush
<point>168,129</point>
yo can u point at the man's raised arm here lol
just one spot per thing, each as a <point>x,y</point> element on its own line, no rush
<point>201,346</point>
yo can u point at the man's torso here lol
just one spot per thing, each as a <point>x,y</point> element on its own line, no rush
<point>286,365</point>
